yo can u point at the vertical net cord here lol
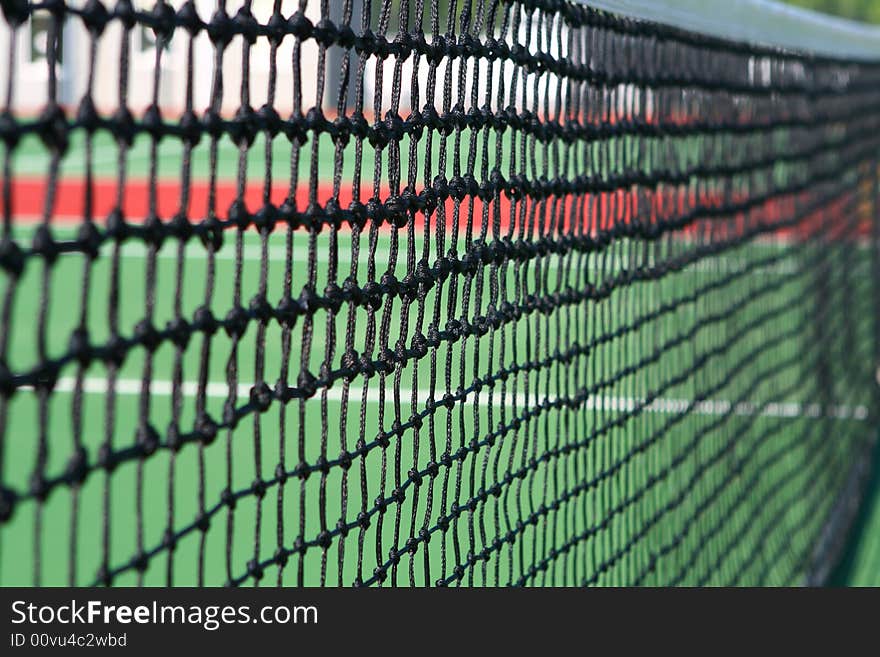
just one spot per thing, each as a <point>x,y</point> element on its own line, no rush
<point>77,462</point>
<point>363,519</point>
<point>349,358</point>
<point>208,428</point>
<point>43,237</point>
<point>6,246</point>
<point>179,323</point>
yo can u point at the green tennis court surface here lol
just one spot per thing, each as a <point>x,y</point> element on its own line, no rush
<point>765,282</point>
<point>860,564</point>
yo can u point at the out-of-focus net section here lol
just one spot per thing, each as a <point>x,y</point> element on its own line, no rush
<point>462,293</point>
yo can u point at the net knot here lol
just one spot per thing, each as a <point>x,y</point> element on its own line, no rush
<point>122,126</point>
<point>372,293</point>
<point>11,257</point>
<point>162,21</point>
<point>244,126</point>
<point>381,505</point>
<point>15,11</point>
<point>147,439</point>
<point>333,297</point>
<point>435,53</point>
<point>169,540</point>
<point>268,120</point>
<point>221,29</point>
<point>287,311</point>
<point>206,429</point>
<point>94,16</point>
<point>419,345</point>
<point>307,384</point>
<point>147,335</point>
<point>10,132</point>
<point>77,466</point>
<point>115,350</point>
<point>236,322</point>
<point>394,556</point>
<point>204,321</point>
<point>213,123</point>
<point>302,471</point>
<point>46,377</point>
<point>254,569</point>
<point>258,488</point>
<point>79,347</point>
<point>89,239</point>
<point>380,135</point>
<point>246,24</point>
<point>7,383</point>
<point>356,216</point>
<point>173,439</point>
<point>153,231</point>
<point>409,288</point>
<point>107,458</point>
<point>86,115</point>
<point>346,37</point>
<point>189,129</point>
<point>39,486</point>
<point>299,25</point>
<point>388,359</point>
<point>454,330</point>
<point>44,244</point>
<point>261,396</point>
<point>188,18</point>
<point>140,562</point>
<point>231,415</point>
<point>151,122</point>
<point>324,33</point>
<point>432,468</point>
<point>276,28</point>
<point>363,520</point>
<point>260,308</point>
<point>280,474</point>
<point>180,227</point>
<point>203,521</point>
<point>350,365</point>
<point>281,557</point>
<point>368,368</point>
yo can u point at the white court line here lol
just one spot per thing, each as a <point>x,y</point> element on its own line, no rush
<point>666,406</point>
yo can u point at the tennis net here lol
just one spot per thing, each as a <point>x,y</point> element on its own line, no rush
<point>460,292</point>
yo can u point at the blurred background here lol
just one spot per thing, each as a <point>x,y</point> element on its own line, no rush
<point>72,53</point>
<point>861,10</point>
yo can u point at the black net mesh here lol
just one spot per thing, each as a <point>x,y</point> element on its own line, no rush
<point>462,293</point>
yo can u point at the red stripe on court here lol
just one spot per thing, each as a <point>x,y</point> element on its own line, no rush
<point>603,211</point>
<point>29,197</point>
